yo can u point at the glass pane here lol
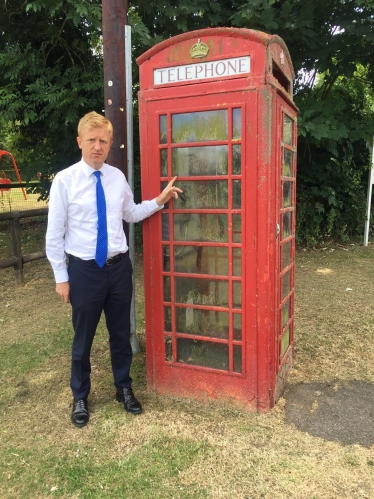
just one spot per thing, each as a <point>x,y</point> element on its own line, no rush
<point>236,159</point>
<point>286,313</point>
<point>200,227</point>
<point>204,160</point>
<point>236,123</point>
<point>199,126</point>
<point>167,288</point>
<point>287,224</point>
<point>165,227</point>
<point>287,163</point>
<point>286,284</point>
<point>166,258</point>
<point>168,349</point>
<point>237,359</point>
<point>237,261</point>
<point>201,260</point>
<point>201,291</point>
<point>202,194</point>
<point>237,286</point>
<point>203,322</point>
<point>287,194</point>
<point>286,255</point>
<point>203,353</point>
<point>287,130</point>
<point>236,228</point>
<point>167,319</point>
<point>164,162</point>
<point>163,129</point>
<point>285,343</point>
<point>236,194</point>
<point>237,327</point>
<point>163,185</point>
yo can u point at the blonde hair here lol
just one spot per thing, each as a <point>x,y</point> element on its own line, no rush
<point>94,120</point>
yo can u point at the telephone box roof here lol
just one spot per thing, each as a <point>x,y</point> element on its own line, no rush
<point>249,34</point>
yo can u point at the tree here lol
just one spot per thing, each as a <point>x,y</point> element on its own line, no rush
<point>331,43</point>
<point>50,74</point>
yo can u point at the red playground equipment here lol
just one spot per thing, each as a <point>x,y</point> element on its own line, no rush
<point>5,180</point>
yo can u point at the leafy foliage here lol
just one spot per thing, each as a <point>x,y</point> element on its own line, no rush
<point>333,160</point>
<point>51,73</point>
<point>331,44</point>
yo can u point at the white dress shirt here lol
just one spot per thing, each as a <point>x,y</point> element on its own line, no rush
<point>72,217</point>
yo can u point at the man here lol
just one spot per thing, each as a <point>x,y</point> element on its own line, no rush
<point>87,204</point>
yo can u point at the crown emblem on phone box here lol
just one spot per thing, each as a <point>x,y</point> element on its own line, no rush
<point>199,50</point>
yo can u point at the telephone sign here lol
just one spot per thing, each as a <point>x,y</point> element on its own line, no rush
<point>189,72</point>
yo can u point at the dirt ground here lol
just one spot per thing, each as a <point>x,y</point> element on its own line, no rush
<point>331,390</point>
<point>318,442</point>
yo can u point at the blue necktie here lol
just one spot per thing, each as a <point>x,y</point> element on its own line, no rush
<point>102,233</point>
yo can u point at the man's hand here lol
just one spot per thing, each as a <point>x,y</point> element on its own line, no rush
<point>63,289</point>
<point>169,192</point>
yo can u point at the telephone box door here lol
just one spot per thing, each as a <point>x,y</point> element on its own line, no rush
<point>286,224</point>
<point>203,282</point>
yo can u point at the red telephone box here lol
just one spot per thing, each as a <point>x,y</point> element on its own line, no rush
<point>216,110</point>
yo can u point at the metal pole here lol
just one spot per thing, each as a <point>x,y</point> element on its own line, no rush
<point>368,201</point>
<point>130,176</point>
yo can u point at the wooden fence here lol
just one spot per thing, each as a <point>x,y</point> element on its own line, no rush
<point>18,260</point>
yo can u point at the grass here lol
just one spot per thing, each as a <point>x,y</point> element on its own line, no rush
<point>81,468</point>
<point>179,448</point>
<point>14,200</point>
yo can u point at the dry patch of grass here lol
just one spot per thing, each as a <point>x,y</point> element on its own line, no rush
<point>334,315</point>
<point>179,448</point>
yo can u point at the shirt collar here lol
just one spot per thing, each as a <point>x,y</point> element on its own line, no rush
<point>88,170</point>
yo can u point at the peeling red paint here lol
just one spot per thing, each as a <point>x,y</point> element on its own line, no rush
<point>264,103</point>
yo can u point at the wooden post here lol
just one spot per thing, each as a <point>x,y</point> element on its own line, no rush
<point>114,21</point>
<point>114,14</point>
<point>16,243</point>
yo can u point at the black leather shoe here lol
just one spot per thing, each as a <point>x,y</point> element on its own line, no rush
<point>127,397</point>
<point>79,415</point>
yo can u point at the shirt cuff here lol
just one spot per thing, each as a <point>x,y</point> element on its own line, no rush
<point>156,207</point>
<point>61,276</point>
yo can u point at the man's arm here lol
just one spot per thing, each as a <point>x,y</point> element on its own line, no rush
<point>134,213</point>
<point>55,237</point>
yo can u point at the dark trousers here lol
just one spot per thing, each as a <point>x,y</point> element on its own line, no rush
<point>92,290</point>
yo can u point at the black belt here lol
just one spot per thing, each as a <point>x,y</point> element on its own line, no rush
<point>111,261</point>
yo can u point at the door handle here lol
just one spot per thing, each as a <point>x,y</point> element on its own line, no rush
<point>277,230</point>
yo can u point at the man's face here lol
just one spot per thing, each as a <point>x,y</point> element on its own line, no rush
<point>95,144</point>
